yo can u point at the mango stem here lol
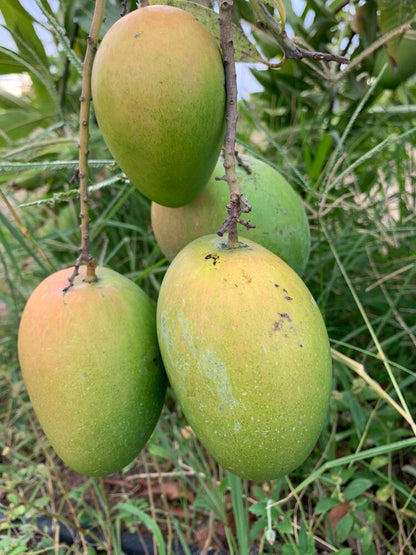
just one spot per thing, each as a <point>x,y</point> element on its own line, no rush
<point>237,202</point>
<point>81,173</point>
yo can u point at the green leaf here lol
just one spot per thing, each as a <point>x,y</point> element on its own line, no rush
<point>147,521</point>
<point>357,411</point>
<point>366,538</point>
<point>21,240</point>
<point>305,538</point>
<point>285,526</point>
<point>324,505</point>
<point>379,462</point>
<point>344,527</point>
<point>61,38</point>
<point>9,63</point>
<point>244,10</point>
<point>356,488</point>
<point>17,124</point>
<point>239,508</point>
<point>258,509</point>
<point>20,23</point>
<point>393,13</point>
<point>383,494</point>
<point>320,157</point>
<point>43,83</point>
<point>9,101</point>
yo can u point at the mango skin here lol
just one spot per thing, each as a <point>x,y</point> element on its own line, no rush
<point>406,64</point>
<point>159,98</point>
<point>277,212</point>
<point>92,368</point>
<point>247,354</point>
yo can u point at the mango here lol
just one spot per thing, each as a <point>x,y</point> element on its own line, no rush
<point>246,351</point>
<point>277,212</point>
<point>91,365</point>
<point>393,76</point>
<point>159,98</point>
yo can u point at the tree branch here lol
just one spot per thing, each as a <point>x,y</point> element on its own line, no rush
<point>266,22</point>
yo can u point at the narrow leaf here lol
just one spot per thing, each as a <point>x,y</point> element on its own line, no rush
<point>43,83</point>
<point>344,527</point>
<point>17,124</point>
<point>356,488</point>
<point>10,101</point>
<point>324,505</point>
<point>21,23</point>
<point>147,521</point>
<point>21,240</point>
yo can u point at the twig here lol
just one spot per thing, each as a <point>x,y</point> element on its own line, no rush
<point>266,22</point>
<point>81,173</point>
<point>237,203</point>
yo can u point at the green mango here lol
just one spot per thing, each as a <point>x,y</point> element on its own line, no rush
<point>92,368</point>
<point>277,212</point>
<point>406,63</point>
<point>159,98</point>
<point>247,353</point>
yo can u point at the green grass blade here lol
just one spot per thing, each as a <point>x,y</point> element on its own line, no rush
<point>61,37</point>
<point>147,521</point>
<point>240,510</point>
<point>370,328</point>
<point>22,242</point>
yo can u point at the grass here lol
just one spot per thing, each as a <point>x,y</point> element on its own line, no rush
<point>355,492</point>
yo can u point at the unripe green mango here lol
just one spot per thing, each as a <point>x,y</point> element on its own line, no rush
<point>159,98</point>
<point>92,368</point>
<point>277,212</point>
<point>247,354</point>
<point>406,63</point>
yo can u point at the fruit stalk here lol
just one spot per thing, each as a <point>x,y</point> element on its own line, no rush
<point>237,202</point>
<point>82,171</point>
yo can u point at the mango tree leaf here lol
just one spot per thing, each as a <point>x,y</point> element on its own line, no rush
<point>244,10</point>
<point>393,14</point>
<point>81,13</point>
<point>10,101</point>
<point>43,82</point>
<point>20,23</point>
<point>17,124</point>
<point>9,62</point>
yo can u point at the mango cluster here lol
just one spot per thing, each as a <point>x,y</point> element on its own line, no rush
<point>235,330</point>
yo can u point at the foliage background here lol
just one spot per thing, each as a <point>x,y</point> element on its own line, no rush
<point>347,145</point>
